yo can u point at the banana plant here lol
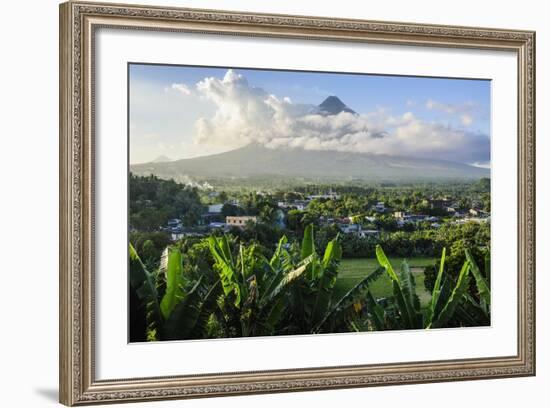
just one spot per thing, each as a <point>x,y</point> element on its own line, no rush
<point>143,285</point>
<point>183,310</point>
<point>447,301</point>
<point>254,287</point>
<point>404,291</point>
<point>348,299</point>
<point>444,307</point>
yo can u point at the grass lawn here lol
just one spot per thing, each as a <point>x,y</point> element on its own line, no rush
<point>353,270</point>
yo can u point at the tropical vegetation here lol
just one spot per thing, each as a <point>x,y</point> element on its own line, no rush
<point>220,286</point>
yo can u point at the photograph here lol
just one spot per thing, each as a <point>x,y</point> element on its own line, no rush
<point>268,202</point>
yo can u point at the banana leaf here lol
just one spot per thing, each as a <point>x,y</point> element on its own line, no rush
<point>481,283</point>
<point>349,297</point>
<point>454,299</point>
<point>383,261</point>
<point>223,244</point>
<point>190,317</point>
<point>308,243</point>
<point>376,311</point>
<point>219,248</point>
<point>286,281</point>
<point>275,261</point>
<point>487,267</point>
<point>436,290</point>
<point>143,283</point>
<point>408,286</point>
<point>409,316</point>
<point>174,283</point>
<point>462,313</point>
<point>278,277</point>
<point>327,279</point>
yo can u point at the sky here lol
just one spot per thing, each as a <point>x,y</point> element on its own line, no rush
<point>182,112</point>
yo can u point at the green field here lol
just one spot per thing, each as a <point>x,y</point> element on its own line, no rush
<point>353,270</point>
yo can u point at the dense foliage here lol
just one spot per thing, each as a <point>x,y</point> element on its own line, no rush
<point>219,286</point>
<point>154,201</point>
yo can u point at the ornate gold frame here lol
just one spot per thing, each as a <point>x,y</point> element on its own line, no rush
<point>78,22</point>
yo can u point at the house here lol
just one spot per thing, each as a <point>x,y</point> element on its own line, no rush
<point>380,207</point>
<point>300,204</point>
<point>439,203</point>
<point>215,208</point>
<point>403,218</point>
<point>177,236</point>
<point>350,228</point>
<point>174,222</point>
<point>417,218</point>
<point>174,226</point>
<point>478,213</point>
<point>216,225</point>
<point>400,215</point>
<point>297,204</point>
<point>240,221</point>
<point>330,196</point>
<point>369,234</point>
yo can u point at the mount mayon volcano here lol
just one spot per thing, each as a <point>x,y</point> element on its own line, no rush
<point>256,160</point>
<point>333,106</point>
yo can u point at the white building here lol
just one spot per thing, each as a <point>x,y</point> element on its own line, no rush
<point>369,233</point>
<point>298,204</point>
<point>330,196</point>
<point>215,208</point>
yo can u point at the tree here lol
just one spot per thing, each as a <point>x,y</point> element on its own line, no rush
<point>154,201</point>
<point>223,197</point>
<point>229,209</point>
<point>386,222</point>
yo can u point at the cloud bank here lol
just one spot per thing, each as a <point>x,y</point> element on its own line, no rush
<point>246,114</point>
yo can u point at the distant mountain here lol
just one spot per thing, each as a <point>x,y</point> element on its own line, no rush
<point>255,160</point>
<point>162,159</point>
<point>333,106</point>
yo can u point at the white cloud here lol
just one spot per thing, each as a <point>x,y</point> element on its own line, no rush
<point>246,114</point>
<point>184,89</point>
<point>466,119</point>
<point>484,165</point>
<point>465,112</point>
<point>451,108</point>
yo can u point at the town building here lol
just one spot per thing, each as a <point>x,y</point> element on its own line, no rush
<point>350,228</point>
<point>215,208</point>
<point>329,196</point>
<point>400,215</point>
<point>370,233</point>
<point>216,225</point>
<point>478,213</point>
<point>439,203</point>
<point>297,204</point>
<point>240,221</point>
<point>380,207</point>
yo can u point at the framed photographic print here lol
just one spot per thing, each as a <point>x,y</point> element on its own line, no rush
<point>260,203</point>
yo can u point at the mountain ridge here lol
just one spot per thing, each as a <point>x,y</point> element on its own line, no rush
<point>255,160</point>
